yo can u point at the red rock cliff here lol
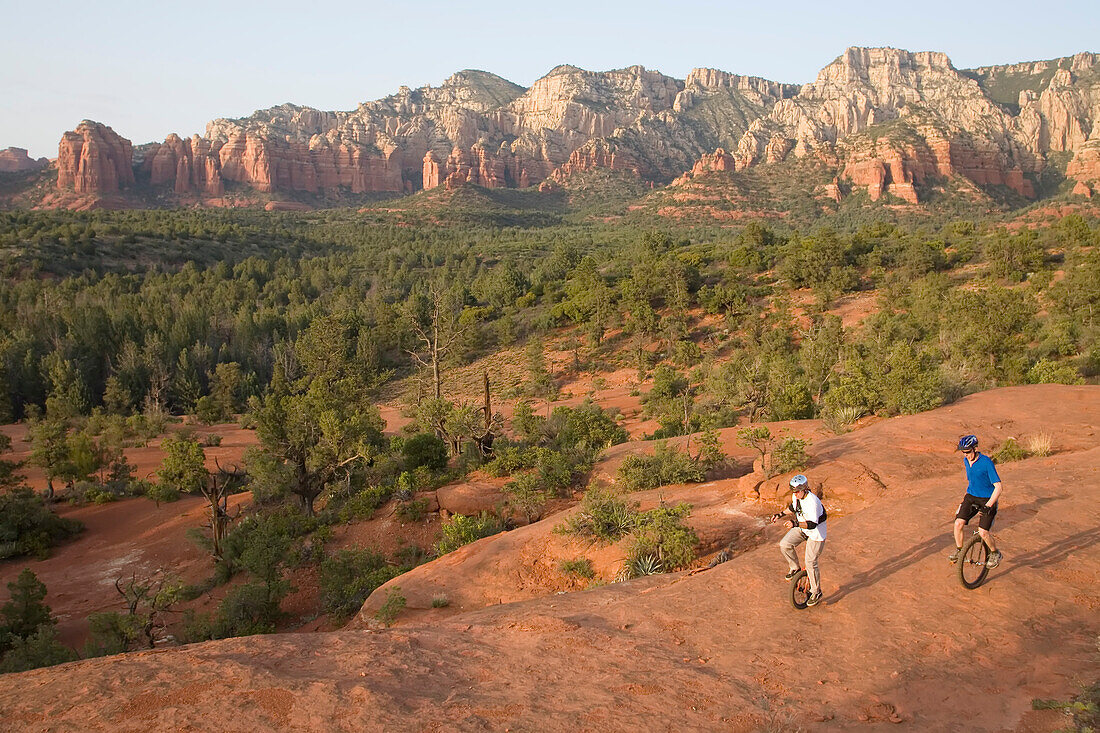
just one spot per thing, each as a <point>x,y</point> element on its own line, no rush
<point>188,165</point>
<point>94,159</point>
<point>14,160</point>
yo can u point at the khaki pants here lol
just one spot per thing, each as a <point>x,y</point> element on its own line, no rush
<point>793,539</point>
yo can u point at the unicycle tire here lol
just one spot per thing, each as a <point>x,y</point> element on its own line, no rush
<point>972,559</point>
<point>800,590</point>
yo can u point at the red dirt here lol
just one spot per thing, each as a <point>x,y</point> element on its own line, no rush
<point>126,537</point>
<point>145,459</point>
<point>134,536</point>
<point>898,642</point>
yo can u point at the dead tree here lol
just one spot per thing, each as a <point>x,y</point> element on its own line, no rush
<point>147,600</point>
<point>216,490</point>
<point>485,440</point>
<point>437,337</point>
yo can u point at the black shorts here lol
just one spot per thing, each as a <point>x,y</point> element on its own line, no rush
<point>971,505</point>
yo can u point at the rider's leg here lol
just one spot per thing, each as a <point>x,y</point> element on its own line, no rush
<point>959,524</point>
<point>813,551</point>
<point>791,540</point>
<point>985,527</point>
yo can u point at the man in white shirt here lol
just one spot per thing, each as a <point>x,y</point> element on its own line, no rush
<point>807,525</point>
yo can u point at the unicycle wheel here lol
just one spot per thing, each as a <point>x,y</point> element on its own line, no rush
<point>972,567</point>
<point>800,590</point>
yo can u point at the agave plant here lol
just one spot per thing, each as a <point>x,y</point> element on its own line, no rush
<point>645,565</point>
<point>841,419</point>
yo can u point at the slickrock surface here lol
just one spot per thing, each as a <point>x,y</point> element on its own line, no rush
<point>897,644</point>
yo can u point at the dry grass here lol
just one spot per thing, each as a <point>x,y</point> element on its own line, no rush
<point>1040,444</point>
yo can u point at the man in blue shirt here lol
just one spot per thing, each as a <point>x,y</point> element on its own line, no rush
<point>982,492</point>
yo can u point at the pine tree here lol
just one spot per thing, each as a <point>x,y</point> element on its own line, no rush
<point>26,611</point>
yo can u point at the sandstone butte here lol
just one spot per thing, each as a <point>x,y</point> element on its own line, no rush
<point>885,119</point>
<point>16,160</point>
<point>94,159</point>
<point>897,644</point>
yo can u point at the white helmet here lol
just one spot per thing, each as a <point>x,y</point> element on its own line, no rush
<point>800,483</point>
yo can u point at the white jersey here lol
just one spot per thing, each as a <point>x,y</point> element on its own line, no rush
<point>810,509</point>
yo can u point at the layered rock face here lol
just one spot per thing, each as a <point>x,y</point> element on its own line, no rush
<point>937,122</point>
<point>187,165</point>
<point>94,159</point>
<point>1085,165</point>
<point>890,120</point>
<point>16,160</point>
<point>886,119</point>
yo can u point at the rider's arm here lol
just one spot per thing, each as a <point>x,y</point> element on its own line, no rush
<point>996,494</point>
<point>991,472</point>
<point>780,514</point>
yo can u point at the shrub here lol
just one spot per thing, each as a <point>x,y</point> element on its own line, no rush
<point>911,382</point>
<point>602,515</point>
<point>362,506</point>
<point>410,556</point>
<point>184,467</point>
<point>28,527</point>
<point>589,425</point>
<point>40,649</point>
<point>405,488</point>
<point>440,602</point>
<point>711,454</point>
<point>350,577</point>
<point>95,494</point>
<point>758,438</point>
<point>1083,710</point>
<point>666,466</point>
<point>252,608</point>
<point>791,401</point>
<point>1051,372</point>
<point>412,511</point>
<point>790,455</point>
<point>211,440</point>
<point>526,494</point>
<point>425,449</point>
<point>461,530</point>
<point>261,543</point>
<point>195,627</point>
<point>161,492</point>
<point>1010,450</point>
<point>660,533</point>
<point>112,633</point>
<point>208,411</point>
<point>391,607</point>
<point>579,568</point>
<point>510,460</point>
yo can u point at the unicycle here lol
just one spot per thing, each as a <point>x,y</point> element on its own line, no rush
<point>800,590</point>
<point>972,559</point>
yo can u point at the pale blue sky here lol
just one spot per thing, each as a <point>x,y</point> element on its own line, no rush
<point>149,69</point>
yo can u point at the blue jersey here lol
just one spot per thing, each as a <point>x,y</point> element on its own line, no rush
<point>980,476</point>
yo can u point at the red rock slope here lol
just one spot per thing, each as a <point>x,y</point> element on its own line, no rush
<point>898,641</point>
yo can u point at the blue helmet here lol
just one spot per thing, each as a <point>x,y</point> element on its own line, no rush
<point>968,442</point>
<point>800,483</point>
